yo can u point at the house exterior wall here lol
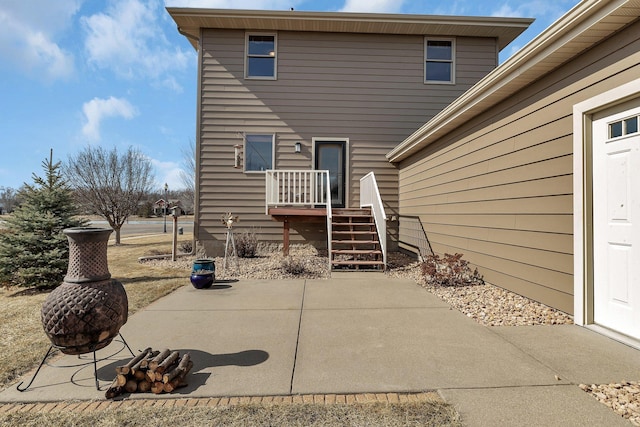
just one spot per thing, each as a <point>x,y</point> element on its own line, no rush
<point>366,88</point>
<point>500,188</point>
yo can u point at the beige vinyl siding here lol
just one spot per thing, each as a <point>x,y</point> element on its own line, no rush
<point>500,189</point>
<point>366,88</point>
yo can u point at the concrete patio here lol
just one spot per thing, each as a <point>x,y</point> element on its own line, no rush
<point>357,333</point>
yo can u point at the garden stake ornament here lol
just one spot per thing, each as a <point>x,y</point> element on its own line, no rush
<point>228,219</point>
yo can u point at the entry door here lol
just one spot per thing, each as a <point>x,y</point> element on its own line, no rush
<point>616,220</point>
<point>331,155</point>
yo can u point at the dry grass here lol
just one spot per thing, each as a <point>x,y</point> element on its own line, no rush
<point>22,339</point>
<point>428,413</point>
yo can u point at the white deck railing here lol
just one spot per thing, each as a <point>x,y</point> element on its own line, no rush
<point>370,197</point>
<point>299,188</point>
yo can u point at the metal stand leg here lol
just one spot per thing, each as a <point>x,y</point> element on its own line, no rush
<point>36,374</point>
<point>95,370</point>
<point>126,345</point>
<point>95,366</point>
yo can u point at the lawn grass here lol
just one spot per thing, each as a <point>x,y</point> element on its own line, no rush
<point>428,413</point>
<point>23,342</point>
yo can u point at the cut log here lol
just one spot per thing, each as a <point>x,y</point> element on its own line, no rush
<point>114,390</point>
<point>125,369</point>
<point>166,363</point>
<point>157,387</point>
<point>148,359</point>
<point>179,369</point>
<point>121,379</point>
<point>151,371</point>
<point>157,360</point>
<point>131,386</point>
<point>179,380</point>
<point>139,374</point>
<point>144,386</point>
<point>174,385</point>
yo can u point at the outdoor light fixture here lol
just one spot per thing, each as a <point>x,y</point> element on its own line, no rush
<point>237,156</point>
<point>298,147</point>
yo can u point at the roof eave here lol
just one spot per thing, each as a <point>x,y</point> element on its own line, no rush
<point>505,30</point>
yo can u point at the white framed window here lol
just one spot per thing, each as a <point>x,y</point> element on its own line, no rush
<point>259,152</point>
<point>261,61</point>
<point>623,127</point>
<point>439,60</point>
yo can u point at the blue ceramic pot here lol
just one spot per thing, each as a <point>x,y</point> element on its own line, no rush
<point>205,265</point>
<point>201,281</point>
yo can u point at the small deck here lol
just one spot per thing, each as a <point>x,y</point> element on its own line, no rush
<point>304,196</point>
<point>287,215</point>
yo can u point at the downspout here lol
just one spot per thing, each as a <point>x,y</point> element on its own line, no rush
<point>196,202</point>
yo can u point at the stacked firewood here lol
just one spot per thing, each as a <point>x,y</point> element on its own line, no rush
<point>151,371</point>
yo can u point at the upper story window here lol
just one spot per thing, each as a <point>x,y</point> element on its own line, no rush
<point>258,152</point>
<point>261,61</point>
<point>439,64</point>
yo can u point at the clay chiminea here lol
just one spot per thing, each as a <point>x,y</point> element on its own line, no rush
<point>88,309</point>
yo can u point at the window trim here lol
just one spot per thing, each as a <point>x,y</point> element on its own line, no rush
<point>273,151</point>
<point>246,56</point>
<point>452,61</point>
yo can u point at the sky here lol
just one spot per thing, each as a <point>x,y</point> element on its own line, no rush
<point>116,73</point>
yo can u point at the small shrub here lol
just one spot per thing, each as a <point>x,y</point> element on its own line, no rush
<point>293,266</point>
<point>451,270</point>
<point>186,247</point>
<point>246,244</point>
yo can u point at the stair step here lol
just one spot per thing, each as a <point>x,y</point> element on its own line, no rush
<point>357,263</point>
<point>351,216</point>
<point>356,252</point>
<point>351,224</point>
<point>351,211</point>
<point>355,242</point>
<point>360,232</point>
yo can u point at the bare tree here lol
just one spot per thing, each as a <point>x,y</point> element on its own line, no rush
<point>108,183</point>
<point>9,199</point>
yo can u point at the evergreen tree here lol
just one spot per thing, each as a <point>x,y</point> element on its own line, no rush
<point>33,250</point>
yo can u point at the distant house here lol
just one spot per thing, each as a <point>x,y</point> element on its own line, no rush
<point>285,95</point>
<point>159,206</point>
<point>534,173</point>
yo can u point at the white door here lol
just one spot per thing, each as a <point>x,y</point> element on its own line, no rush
<point>616,219</point>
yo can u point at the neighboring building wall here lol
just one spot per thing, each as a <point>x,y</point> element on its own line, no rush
<point>499,189</point>
<point>367,88</point>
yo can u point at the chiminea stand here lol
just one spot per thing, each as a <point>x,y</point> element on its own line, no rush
<point>85,313</point>
<point>95,363</point>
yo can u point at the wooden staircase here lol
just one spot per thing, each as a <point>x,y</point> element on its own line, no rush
<point>354,240</point>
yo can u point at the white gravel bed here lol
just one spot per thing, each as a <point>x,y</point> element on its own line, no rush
<point>485,303</point>
<point>622,397</point>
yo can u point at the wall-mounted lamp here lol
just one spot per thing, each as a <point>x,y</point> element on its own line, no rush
<point>237,156</point>
<point>298,147</point>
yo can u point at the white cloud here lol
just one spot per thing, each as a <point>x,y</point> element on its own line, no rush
<point>167,172</point>
<point>235,4</point>
<point>128,39</point>
<point>97,110</point>
<point>534,8</point>
<point>375,6</point>
<point>28,32</point>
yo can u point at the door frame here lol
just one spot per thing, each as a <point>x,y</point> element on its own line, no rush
<point>583,261</point>
<point>347,174</point>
